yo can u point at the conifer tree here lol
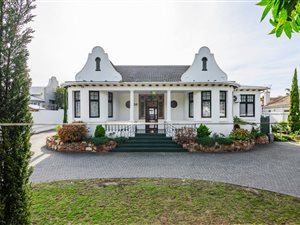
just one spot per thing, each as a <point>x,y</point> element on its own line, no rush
<point>294,114</point>
<point>65,105</point>
<point>15,34</point>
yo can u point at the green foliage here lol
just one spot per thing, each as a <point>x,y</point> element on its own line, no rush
<point>283,137</point>
<point>97,140</point>
<point>73,132</point>
<point>255,132</point>
<point>239,121</point>
<point>240,134</point>
<point>285,16</point>
<point>294,113</point>
<point>59,97</point>
<point>99,131</point>
<point>14,99</point>
<point>57,127</point>
<point>206,140</point>
<point>281,127</point>
<point>121,140</point>
<point>224,141</point>
<point>65,106</point>
<point>203,131</point>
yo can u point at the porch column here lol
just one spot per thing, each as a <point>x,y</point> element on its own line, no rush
<point>215,105</point>
<point>169,113</point>
<point>197,105</point>
<point>131,106</point>
<point>104,106</point>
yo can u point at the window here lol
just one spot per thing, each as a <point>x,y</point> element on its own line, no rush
<point>204,64</point>
<point>94,104</point>
<point>76,95</point>
<point>206,104</point>
<point>110,105</point>
<point>223,99</point>
<point>191,105</point>
<point>247,106</point>
<point>98,64</point>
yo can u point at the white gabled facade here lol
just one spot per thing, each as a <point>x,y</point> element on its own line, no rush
<point>178,95</point>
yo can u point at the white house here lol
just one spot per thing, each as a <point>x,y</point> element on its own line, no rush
<point>159,98</point>
<point>44,96</point>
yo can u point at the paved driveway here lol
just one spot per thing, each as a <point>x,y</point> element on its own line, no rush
<point>274,167</point>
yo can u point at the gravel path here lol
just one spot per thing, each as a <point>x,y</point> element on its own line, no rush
<point>274,167</point>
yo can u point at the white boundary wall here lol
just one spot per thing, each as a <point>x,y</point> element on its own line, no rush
<point>44,117</point>
<point>276,117</point>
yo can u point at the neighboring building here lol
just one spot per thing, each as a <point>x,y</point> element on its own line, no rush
<point>44,96</point>
<point>127,97</point>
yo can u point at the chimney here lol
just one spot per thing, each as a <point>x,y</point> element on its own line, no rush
<point>266,97</point>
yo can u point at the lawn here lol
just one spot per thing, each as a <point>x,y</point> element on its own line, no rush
<point>158,201</point>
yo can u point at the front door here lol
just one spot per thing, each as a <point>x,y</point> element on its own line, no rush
<point>151,116</point>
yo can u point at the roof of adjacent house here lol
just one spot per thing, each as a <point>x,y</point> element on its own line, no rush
<point>151,73</point>
<point>279,102</point>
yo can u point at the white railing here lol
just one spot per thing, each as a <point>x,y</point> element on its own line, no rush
<point>170,128</point>
<point>120,130</point>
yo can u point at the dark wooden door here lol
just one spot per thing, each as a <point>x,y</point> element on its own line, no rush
<point>151,116</point>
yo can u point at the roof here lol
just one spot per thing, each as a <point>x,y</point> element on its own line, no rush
<point>151,73</point>
<point>37,99</point>
<point>279,102</point>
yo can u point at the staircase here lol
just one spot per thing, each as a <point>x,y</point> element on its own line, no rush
<point>149,143</point>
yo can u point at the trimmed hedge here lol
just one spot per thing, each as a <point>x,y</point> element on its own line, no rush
<point>72,132</point>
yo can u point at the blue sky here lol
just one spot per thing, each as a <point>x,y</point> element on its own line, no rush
<point>161,33</point>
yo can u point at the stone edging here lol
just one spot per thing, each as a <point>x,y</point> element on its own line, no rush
<point>59,146</point>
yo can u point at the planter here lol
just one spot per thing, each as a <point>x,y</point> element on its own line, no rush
<point>59,146</point>
<point>237,146</point>
<point>262,140</point>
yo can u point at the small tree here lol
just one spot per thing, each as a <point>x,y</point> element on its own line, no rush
<point>294,114</point>
<point>59,97</point>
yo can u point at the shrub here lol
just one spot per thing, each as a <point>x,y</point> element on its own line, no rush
<point>240,134</point>
<point>57,127</point>
<point>72,132</point>
<point>224,141</point>
<point>97,140</point>
<point>255,132</point>
<point>281,127</point>
<point>100,131</point>
<point>121,140</point>
<point>206,140</point>
<point>203,131</point>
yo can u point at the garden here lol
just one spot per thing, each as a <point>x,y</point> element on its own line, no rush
<point>203,141</point>
<point>282,132</point>
<point>73,137</point>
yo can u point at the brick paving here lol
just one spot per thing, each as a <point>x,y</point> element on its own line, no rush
<point>274,167</point>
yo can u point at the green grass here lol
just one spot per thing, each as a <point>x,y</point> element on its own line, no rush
<point>158,201</point>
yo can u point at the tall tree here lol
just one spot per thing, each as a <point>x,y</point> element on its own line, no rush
<point>285,16</point>
<point>294,114</point>
<point>65,105</point>
<point>59,97</point>
<point>15,34</point>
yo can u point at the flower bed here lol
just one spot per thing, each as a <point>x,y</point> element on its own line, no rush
<point>236,146</point>
<point>83,146</point>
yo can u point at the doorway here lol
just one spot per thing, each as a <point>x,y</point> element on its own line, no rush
<point>151,115</point>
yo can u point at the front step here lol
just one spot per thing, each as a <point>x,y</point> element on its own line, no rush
<point>149,143</point>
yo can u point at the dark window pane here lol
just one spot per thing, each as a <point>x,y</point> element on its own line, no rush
<point>250,110</point>
<point>250,98</point>
<point>243,98</point>
<point>222,109</point>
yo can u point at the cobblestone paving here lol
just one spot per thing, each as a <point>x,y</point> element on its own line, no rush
<point>274,167</point>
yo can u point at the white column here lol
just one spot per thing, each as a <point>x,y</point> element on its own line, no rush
<point>71,105</point>
<point>215,105</point>
<point>103,106</point>
<point>84,105</point>
<point>229,106</point>
<point>131,106</point>
<point>169,113</point>
<point>197,105</point>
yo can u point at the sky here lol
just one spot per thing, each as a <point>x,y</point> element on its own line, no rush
<point>161,32</point>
